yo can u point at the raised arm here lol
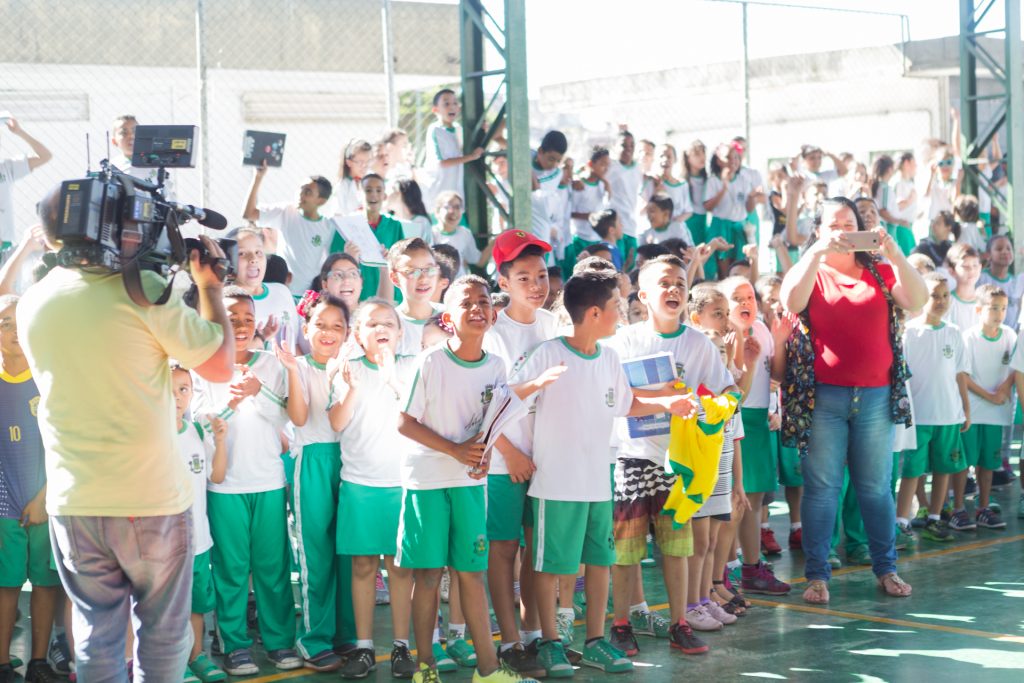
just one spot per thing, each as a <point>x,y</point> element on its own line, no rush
<point>250,212</point>
<point>40,154</point>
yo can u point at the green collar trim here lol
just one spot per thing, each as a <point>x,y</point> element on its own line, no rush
<point>318,366</point>
<point>963,301</point>
<point>579,353</point>
<point>993,339</point>
<point>465,363</point>
<point>672,335</point>
<point>263,293</point>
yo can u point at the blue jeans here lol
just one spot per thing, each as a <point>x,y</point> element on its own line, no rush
<point>110,565</point>
<point>851,426</point>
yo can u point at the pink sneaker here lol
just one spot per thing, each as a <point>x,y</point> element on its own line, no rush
<point>757,578</point>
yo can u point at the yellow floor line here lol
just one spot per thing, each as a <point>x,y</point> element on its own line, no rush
<point>1002,637</point>
<point>922,556</point>
<point>810,609</point>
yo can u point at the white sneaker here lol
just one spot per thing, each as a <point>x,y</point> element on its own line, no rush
<point>700,620</point>
<point>719,614</point>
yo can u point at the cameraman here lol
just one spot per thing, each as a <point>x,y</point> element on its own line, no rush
<point>118,497</point>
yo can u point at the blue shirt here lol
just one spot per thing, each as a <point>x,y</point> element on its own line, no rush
<point>22,462</point>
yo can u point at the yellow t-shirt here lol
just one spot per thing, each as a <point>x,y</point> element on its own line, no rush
<point>106,413</point>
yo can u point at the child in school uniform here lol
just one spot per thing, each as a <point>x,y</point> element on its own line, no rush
<point>660,209</point>
<point>449,230</point>
<point>355,163</point>
<point>204,451</point>
<point>444,510</point>
<point>694,168</point>
<point>589,194</point>
<point>445,158</point>
<point>518,328</point>
<point>386,229</point>
<point>625,177</point>
<point>728,196</point>
<point>275,307</point>
<point>964,264</point>
<point>316,480</point>
<point>571,491</point>
<point>415,273</point>
<point>677,190</point>
<point>759,464</point>
<point>641,482</point>
<point>301,233</point>
<point>989,347</point>
<point>938,387</point>
<point>247,510</point>
<point>551,197</point>
<point>366,401</point>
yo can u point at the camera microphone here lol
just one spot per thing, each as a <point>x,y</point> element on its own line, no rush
<point>206,217</point>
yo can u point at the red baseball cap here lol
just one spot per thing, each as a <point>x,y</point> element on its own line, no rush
<point>511,243</point>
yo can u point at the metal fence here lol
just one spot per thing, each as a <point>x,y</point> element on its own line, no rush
<point>316,70</point>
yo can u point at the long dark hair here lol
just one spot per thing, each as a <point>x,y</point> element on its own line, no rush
<point>863,258</point>
<point>882,165</point>
<point>412,197</point>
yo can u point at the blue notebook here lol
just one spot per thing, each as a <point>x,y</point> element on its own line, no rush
<point>649,372</point>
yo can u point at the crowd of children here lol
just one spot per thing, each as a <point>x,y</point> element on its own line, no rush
<point>353,441</point>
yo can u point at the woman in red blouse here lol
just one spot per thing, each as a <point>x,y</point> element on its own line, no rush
<point>852,422</point>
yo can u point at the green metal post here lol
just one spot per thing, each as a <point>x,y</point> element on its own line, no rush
<point>968,92</point>
<point>1014,122</point>
<point>472,63</point>
<point>517,108</point>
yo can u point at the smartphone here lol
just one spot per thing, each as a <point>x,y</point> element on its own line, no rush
<point>864,240</point>
<point>5,116</point>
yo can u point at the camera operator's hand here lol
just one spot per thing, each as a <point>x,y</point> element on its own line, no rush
<point>203,274</point>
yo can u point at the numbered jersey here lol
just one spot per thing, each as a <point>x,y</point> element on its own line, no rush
<point>22,467</point>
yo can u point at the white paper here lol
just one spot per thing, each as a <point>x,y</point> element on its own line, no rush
<point>504,409</point>
<point>355,229</point>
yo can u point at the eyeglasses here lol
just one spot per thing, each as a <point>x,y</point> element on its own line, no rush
<point>417,273</point>
<point>946,162</point>
<point>343,275</point>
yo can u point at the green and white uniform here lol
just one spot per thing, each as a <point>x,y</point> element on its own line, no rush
<point>571,491</point>
<point>275,300</point>
<point>195,443</point>
<point>301,242</point>
<point>444,510</point>
<point>388,230</point>
<point>324,579</point>
<point>760,465</point>
<point>372,451</point>
<point>248,521</point>
<point>989,361</point>
<point>411,342</point>
<point>507,507</point>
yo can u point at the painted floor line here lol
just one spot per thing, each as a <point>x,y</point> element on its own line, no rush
<point>824,611</point>
<point>921,556</point>
<point>1002,637</point>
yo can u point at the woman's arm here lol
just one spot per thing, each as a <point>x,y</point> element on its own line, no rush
<point>910,292</point>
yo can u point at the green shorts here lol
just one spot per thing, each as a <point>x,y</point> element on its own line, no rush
<point>904,237</point>
<point>939,450</point>
<point>759,466</point>
<point>25,554</point>
<point>788,461</point>
<point>506,508</point>
<point>732,232</point>
<point>627,245</point>
<point>569,533</point>
<point>444,528</point>
<point>368,519</point>
<point>983,446</point>
<point>203,598</point>
<point>698,225</point>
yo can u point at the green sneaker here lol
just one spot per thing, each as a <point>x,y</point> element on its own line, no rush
<point>649,624</point>
<point>579,603</point>
<point>461,651</point>
<point>859,555</point>
<point>920,519</point>
<point>601,655</point>
<point>551,655</point>
<point>566,624</point>
<point>442,662</point>
<point>205,670</point>
<point>905,538</point>
<point>833,560</point>
<point>937,531</point>
<point>190,677</point>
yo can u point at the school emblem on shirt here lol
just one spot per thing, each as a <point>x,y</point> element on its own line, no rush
<point>480,545</point>
<point>1006,360</point>
<point>680,370</point>
<point>195,465</point>
<point>947,351</point>
<point>317,240</point>
<point>33,405</point>
<point>609,398</point>
<point>487,394</point>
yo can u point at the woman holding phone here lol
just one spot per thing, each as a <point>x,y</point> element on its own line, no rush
<point>847,293</point>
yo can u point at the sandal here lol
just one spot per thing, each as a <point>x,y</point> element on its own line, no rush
<point>728,605</point>
<point>816,592</point>
<point>737,598</point>
<point>894,586</point>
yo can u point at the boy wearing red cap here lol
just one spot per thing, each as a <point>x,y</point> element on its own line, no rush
<point>519,327</point>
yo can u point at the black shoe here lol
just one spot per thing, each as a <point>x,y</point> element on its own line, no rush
<point>59,656</point>
<point>521,661</point>
<point>622,639</point>
<point>402,663</point>
<point>1001,478</point>
<point>681,637</point>
<point>215,648</point>
<point>359,664</point>
<point>971,487</point>
<point>38,671</point>
<point>7,674</point>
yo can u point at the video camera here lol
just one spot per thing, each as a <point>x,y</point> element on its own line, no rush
<point>113,222</point>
